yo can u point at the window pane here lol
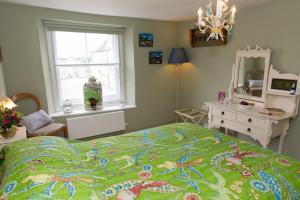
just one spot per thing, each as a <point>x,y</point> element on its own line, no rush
<point>108,76</point>
<point>70,48</point>
<point>102,48</point>
<point>72,80</point>
<point>86,48</point>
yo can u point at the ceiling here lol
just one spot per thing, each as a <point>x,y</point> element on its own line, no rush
<point>170,10</point>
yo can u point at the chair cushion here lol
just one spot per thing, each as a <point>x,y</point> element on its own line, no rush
<point>36,120</point>
<point>49,128</point>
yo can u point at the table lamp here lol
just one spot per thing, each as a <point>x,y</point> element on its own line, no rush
<point>7,103</point>
<point>177,57</point>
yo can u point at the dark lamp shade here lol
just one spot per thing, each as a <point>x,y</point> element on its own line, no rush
<point>178,56</point>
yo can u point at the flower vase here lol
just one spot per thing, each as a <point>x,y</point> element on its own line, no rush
<point>8,132</point>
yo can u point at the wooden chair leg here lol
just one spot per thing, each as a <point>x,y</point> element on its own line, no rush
<point>66,134</point>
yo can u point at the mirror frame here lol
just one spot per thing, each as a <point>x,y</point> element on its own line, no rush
<point>252,53</point>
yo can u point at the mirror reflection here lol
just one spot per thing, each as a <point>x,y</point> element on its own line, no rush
<point>251,76</point>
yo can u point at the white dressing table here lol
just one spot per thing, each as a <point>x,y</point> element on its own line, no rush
<point>274,87</point>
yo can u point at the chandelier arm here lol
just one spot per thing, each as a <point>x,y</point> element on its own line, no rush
<point>200,28</point>
<point>209,27</point>
<point>204,30</point>
<point>230,25</point>
<point>210,23</point>
<point>221,35</point>
<point>225,22</point>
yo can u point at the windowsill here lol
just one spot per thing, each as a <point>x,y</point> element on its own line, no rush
<point>87,112</point>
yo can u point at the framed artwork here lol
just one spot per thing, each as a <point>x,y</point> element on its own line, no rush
<point>146,40</point>
<point>221,97</point>
<point>155,57</point>
<point>198,39</point>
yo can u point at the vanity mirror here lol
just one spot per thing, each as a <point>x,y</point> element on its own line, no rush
<point>251,74</point>
<point>272,99</point>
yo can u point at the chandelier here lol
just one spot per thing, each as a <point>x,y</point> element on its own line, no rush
<point>215,24</point>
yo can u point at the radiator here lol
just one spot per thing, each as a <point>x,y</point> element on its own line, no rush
<point>93,125</point>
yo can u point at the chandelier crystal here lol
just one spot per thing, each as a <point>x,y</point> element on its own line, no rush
<point>215,24</point>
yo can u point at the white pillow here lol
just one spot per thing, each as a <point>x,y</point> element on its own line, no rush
<point>36,120</point>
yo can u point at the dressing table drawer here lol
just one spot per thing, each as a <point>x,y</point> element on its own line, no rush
<point>224,114</point>
<point>252,131</point>
<point>225,123</point>
<point>251,121</point>
<point>237,126</point>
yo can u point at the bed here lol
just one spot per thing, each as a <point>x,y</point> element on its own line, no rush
<point>176,161</point>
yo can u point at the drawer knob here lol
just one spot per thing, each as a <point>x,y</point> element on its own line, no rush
<point>249,120</point>
<point>249,130</point>
<point>222,113</point>
<point>222,121</point>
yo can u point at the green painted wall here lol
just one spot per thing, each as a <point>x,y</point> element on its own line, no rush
<point>23,47</point>
<point>272,25</point>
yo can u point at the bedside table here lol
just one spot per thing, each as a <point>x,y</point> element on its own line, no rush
<point>20,134</point>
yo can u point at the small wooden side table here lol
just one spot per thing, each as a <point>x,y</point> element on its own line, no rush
<point>20,134</point>
<point>191,115</point>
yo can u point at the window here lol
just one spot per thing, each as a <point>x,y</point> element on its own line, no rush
<point>75,56</point>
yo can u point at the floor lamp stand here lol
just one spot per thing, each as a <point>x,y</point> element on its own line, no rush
<point>177,86</point>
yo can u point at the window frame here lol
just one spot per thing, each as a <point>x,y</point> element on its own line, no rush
<point>54,75</point>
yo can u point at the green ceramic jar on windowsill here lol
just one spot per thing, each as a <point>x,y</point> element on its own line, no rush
<point>92,91</point>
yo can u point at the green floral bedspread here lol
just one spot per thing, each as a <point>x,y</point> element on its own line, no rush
<point>177,161</point>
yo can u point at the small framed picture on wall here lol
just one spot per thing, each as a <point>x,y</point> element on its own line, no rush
<point>146,40</point>
<point>155,57</point>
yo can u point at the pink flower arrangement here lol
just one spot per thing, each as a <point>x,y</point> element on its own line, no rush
<point>9,118</point>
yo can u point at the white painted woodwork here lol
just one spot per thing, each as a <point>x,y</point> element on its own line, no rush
<point>274,74</point>
<point>252,53</point>
<point>93,125</point>
<point>255,122</point>
<point>2,83</point>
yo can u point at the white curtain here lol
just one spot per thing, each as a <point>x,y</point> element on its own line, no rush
<point>2,85</point>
